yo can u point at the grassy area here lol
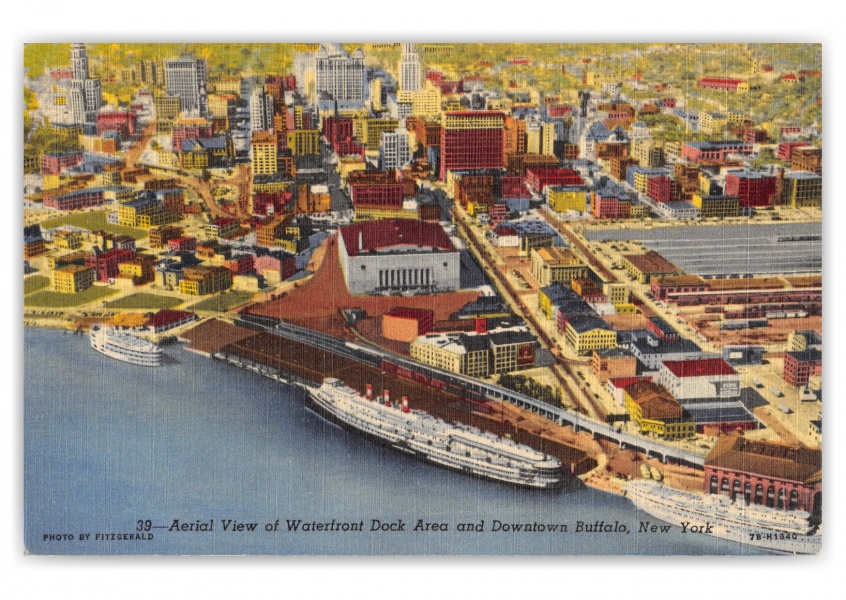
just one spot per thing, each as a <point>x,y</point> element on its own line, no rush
<point>142,300</point>
<point>35,283</point>
<point>93,221</point>
<point>222,302</point>
<point>58,299</point>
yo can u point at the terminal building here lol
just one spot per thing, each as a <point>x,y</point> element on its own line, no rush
<point>766,473</point>
<point>394,256</point>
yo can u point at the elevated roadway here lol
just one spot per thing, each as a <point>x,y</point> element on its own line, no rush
<point>374,357</point>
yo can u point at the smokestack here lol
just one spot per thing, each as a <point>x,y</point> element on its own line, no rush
<point>387,396</point>
<point>405,404</point>
<point>369,392</point>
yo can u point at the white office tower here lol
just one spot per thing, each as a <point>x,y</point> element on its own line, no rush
<point>339,74</point>
<point>85,95</point>
<point>261,110</point>
<point>394,152</point>
<point>410,70</point>
<point>187,78</point>
<point>79,62</point>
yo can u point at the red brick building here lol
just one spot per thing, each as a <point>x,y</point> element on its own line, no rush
<point>107,264</point>
<point>514,187</point>
<point>191,129</point>
<point>753,189</point>
<point>338,130</point>
<point>720,83</point>
<point>785,150</point>
<point>660,188</point>
<point>472,140</point>
<point>75,200</point>
<point>715,152</point>
<point>266,203</point>
<point>607,205</point>
<point>55,163</point>
<point>125,124</point>
<point>497,213</point>
<point>537,179</point>
<point>182,244</point>
<point>377,195</point>
<point>800,366</point>
<point>766,473</point>
<point>239,265</point>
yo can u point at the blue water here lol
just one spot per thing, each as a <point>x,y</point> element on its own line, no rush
<point>109,444</point>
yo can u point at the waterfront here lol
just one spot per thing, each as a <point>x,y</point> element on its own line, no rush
<point>109,444</point>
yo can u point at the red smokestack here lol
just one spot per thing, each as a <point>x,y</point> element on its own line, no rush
<point>387,398</point>
<point>405,404</point>
<point>369,392</point>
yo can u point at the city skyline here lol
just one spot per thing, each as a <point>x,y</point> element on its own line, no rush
<point>519,239</point>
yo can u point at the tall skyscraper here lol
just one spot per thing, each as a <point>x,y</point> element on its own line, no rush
<point>187,78</point>
<point>339,74</point>
<point>471,140</point>
<point>261,110</point>
<point>85,95</point>
<point>79,62</point>
<point>394,151</point>
<point>409,69</point>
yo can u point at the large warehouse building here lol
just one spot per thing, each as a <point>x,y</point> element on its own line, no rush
<point>398,256</point>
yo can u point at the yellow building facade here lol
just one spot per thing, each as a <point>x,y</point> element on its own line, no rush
<point>585,341</point>
<point>264,153</point>
<point>565,199</point>
<point>304,142</point>
<point>716,206</point>
<point>71,279</point>
<point>551,265</point>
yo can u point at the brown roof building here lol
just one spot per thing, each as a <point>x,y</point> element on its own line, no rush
<point>643,267</point>
<point>769,473</point>
<point>656,412</point>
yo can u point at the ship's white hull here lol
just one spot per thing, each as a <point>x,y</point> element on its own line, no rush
<point>786,533</point>
<point>137,352</point>
<point>429,448</point>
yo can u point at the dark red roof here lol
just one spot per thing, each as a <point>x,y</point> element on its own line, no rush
<point>385,233</point>
<point>624,382</point>
<point>166,317</point>
<point>702,367</point>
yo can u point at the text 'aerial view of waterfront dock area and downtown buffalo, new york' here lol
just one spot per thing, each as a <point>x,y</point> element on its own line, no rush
<point>422,298</point>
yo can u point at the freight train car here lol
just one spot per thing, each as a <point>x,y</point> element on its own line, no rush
<point>479,401</point>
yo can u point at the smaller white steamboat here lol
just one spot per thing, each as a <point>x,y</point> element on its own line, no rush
<point>125,347</point>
